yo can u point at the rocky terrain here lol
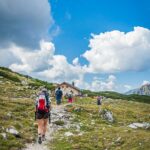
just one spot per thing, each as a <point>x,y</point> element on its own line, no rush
<point>120,125</point>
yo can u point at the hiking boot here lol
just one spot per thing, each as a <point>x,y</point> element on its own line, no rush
<point>43,138</point>
<point>40,140</point>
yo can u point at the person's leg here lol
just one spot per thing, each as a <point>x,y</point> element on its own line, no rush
<point>40,124</point>
<point>40,130</point>
<point>57,101</point>
<point>45,126</point>
<point>99,108</point>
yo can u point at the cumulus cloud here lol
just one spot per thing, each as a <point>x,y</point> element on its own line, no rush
<point>61,70</point>
<point>127,87</point>
<point>32,61</point>
<point>24,22</point>
<point>43,63</point>
<point>118,51</point>
<point>97,84</point>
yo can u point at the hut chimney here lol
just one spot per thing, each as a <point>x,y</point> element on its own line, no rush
<point>73,83</point>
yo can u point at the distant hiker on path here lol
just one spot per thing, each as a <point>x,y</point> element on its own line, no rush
<point>99,102</point>
<point>42,113</point>
<point>58,96</point>
<point>70,97</point>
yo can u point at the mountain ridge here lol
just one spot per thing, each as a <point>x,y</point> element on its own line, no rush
<point>143,90</point>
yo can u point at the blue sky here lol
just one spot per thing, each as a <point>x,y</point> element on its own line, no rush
<point>94,16</point>
<point>99,44</point>
<point>77,20</point>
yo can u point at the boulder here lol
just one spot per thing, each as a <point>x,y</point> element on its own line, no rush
<point>13,131</point>
<point>107,115</point>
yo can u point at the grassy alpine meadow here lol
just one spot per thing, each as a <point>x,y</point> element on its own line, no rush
<point>91,132</point>
<point>17,114</point>
<point>17,109</point>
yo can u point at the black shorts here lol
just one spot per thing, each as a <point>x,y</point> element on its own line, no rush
<point>99,102</point>
<point>42,115</point>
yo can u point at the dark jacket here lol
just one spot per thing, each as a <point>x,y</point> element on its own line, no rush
<point>58,94</point>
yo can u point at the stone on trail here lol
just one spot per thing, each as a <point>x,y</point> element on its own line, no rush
<point>144,125</point>
<point>68,134</point>
<point>107,115</point>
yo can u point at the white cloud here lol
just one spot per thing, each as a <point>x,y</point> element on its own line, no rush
<point>118,51</point>
<point>43,63</point>
<point>97,84</point>
<point>32,61</point>
<point>61,70</point>
<point>145,82</point>
<point>110,52</point>
<point>76,61</point>
<point>127,87</point>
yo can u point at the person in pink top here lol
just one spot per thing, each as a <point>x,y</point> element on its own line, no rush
<point>70,97</point>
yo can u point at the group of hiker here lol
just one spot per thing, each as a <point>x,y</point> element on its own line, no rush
<point>43,109</point>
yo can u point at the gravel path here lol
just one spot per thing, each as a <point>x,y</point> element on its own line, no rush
<point>57,113</point>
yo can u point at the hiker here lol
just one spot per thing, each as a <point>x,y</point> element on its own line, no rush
<point>42,113</point>
<point>70,97</point>
<point>99,102</point>
<point>58,95</point>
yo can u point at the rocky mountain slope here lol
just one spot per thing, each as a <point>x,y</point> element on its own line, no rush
<point>143,90</point>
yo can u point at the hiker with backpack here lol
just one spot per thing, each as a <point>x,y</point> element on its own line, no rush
<point>99,102</point>
<point>42,113</point>
<point>58,96</point>
<point>70,97</point>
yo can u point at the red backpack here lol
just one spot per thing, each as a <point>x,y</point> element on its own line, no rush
<point>42,103</point>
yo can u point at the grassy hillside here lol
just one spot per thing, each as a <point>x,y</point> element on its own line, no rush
<point>115,95</point>
<point>17,94</point>
<point>88,130</point>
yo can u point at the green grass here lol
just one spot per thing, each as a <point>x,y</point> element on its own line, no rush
<point>115,95</point>
<point>98,134</point>
<point>19,114</point>
<point>9,76</point>
<point>17,108</point>
<point>59,122</point>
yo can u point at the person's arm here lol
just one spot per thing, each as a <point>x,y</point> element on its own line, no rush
<point>36,101</point>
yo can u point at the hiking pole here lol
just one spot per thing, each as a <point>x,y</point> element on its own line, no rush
<point>35,115</point>
<point>49,116</point>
